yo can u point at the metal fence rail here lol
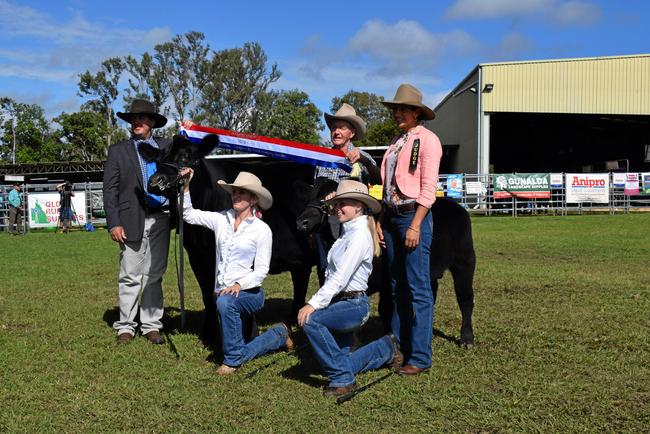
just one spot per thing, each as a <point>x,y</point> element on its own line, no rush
<point>477,195</point>
<point>485,203</point>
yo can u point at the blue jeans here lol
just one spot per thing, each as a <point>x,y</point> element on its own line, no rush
<point>231,309</point>
<point>330,330</point>
<point>410,280</point>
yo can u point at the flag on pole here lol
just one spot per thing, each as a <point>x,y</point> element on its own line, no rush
<point>275,148</point>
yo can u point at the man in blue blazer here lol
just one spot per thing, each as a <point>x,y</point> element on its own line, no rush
<point>139,221</point>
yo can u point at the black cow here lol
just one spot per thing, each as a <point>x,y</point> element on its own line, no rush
<point>291,251</point>
<point>452,249</point>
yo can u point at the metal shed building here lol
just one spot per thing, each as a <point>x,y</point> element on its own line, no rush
<point>587,114</point>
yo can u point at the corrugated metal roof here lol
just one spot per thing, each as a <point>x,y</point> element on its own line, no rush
<point>599,85</point>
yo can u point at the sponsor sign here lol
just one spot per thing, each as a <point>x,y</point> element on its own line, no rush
<point>631,184</point>
<point>44,209</point>
<point>375,191</point>
<point>455,186</point>
<point>646,183</point>
<point>475,187</point>
<point>557,180</point>
<point>522,185</point>
<point>587,187</point>
<point>618,179</point>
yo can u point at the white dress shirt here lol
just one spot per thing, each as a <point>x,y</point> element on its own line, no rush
<point>243,256</point>
<point>349,263</point>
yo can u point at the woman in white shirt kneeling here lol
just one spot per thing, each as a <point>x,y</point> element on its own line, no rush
<point>243,244</point>
<point>341,305</point>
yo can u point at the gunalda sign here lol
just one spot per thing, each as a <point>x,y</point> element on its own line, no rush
<point>522,185</point>
<point>587,187</point>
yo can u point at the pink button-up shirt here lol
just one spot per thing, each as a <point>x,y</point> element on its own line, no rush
<point>422,182</point>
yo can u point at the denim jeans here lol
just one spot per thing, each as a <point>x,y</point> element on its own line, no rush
<point>330,330</point>
<point>410,280</point>
<point>231,309</point>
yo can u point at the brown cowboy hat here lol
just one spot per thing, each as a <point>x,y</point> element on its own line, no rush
<point>249,182</point>
<point>351,189</point>
<point>408,95</point>
<point>348,114</point>
<point>143,107</point>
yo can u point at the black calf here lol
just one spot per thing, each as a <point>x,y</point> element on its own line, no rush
<point>452,249</point>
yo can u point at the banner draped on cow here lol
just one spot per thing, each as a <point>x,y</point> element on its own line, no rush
<point>275,148</point>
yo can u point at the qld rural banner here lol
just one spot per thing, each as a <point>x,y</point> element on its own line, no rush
<point>522,185</point>
<point>44,209</point>
<point>587,187</point>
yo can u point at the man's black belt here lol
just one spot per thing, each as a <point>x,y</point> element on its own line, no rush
<point>401,208</point>
<point>154,210</point>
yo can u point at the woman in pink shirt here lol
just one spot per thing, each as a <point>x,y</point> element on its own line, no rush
<point>410,175</point>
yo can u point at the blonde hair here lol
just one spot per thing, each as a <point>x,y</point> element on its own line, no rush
<point>372,227</point>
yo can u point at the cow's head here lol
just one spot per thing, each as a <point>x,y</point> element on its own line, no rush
<point>316,211</point>
<point>182,153</point>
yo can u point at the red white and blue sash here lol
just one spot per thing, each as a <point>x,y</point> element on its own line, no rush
<point>271,147</point>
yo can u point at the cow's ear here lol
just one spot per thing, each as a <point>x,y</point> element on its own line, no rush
<point>207,145</point>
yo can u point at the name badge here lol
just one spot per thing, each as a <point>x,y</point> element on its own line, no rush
<point>415,152</point>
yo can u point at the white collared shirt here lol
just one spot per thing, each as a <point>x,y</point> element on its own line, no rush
<point>243,256</point>
<point>349,263</point>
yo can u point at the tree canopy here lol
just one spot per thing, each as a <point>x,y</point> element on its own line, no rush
<point>184,79</point>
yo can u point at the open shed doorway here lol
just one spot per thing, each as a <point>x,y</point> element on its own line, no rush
<point>537,142</point>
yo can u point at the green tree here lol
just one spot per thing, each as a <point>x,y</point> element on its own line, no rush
<point>235,81</point>
<point>81,136</point>
<point>181,64</point>
<point>26,124</point>
<point>288,115</point>
<point>380,126</point>
<point>146,81</point>
<point>102,87</point>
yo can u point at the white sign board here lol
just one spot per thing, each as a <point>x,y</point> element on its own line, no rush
<point>587,187</point>
<point>44,208</point>
<point>475,187</point>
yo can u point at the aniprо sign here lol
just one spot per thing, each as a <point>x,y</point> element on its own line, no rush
<point>587,187</point>
<point>522,185</point>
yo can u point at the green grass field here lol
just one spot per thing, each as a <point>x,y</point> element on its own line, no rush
<point>562,323</point>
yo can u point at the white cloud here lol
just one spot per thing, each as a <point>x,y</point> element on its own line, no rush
<point>36,72</point>
<point>477,9</point>
<point>406,45</point>
<point>511,45</point>
<point>576,13</point>
<point>65,48</point>
<point>566,13</point>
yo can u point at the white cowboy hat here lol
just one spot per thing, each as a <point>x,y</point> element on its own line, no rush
<point>249,182</point>
<point>348,114</point>
<point>143,107</point>
<point>351,189</point>
<point>408,95</point>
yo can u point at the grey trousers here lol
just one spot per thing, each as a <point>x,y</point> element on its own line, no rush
<point>142,265</point>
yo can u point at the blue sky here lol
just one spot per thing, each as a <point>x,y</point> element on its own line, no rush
<point>322,48</point>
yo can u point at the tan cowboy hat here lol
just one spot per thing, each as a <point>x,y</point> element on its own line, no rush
<point>348,114</point>
<point>351,189</point>
<point>409,95</point>
<point>252,183</point>
<point>143,107</point>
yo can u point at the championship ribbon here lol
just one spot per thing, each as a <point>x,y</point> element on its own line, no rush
<point>271,147</point>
